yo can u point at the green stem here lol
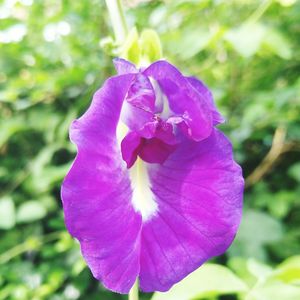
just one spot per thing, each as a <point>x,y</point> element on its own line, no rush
<point>259,12</point>
<point>118,20</point>
<point>134,292</point>
<point>28,245</point>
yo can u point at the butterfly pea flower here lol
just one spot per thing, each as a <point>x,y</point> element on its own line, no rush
<point>154,191</point>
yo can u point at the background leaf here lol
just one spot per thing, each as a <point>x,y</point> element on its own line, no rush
<point>247,39</point>
<point>7,213</point>
<point>209,280</point>
<point>30,211</point>
<point>256,231</point>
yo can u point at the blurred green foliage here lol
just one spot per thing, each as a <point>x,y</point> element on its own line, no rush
<point>55,53</point>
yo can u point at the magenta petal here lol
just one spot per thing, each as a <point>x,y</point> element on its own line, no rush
<point>130,146</point>
<point>96,193</point>
<point>139,104</point>
<point>159,129</point>
<point>199,191</point>
<point>141,93</point>
<point>155,150</point>
<point>207,96</point>
<point>134,117</point>
<point>183,100</point>
<point>123,66</point>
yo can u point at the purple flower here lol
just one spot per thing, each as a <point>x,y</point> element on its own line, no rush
<point>154,191</point>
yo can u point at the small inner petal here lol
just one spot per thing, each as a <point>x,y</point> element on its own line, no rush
<point>162,106</point>
<point>142,198</point>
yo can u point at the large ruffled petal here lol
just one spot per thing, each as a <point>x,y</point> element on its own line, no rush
<point>97,192</point>
<point>198,190</point>
<point>207,96</point>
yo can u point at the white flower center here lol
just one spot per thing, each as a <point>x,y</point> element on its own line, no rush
<point>142,197</point>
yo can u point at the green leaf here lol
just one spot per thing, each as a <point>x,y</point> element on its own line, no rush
<point>289,270</point>
<point>30,211</point>
<point>247,39</point>
<point>8,127</point>
<point>240,267</point>
<point>208,280</point>
<point>257,230</point>
<point>193,41</point>
<point>7,213</point>
<point>278,43</point>
<point>281,203</point>
<point>274,290</point>
<point>150,45</point>
<point>267,283</point>
<point>287,2</point>
<point>294,171</point>
<point>258,269</point>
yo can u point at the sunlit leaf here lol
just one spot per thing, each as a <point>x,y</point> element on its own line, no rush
<point>247,39</point>
<point>275,290</point>
<point>289,270</point>
<point>278,44</point>
<point>208,280</point>
<point>7,213</point>
<point>30,211</point>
